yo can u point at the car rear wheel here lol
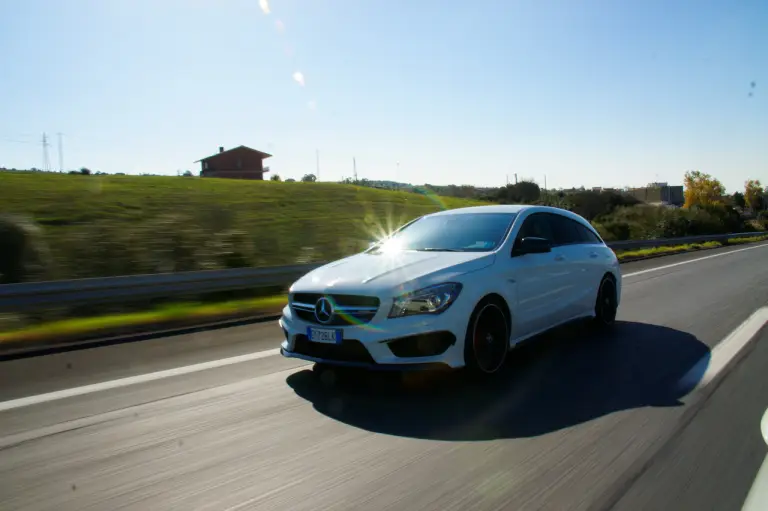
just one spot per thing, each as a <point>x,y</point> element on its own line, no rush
<point>487,341</point>
<point>606,304</point>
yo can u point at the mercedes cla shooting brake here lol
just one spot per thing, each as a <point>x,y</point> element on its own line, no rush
<point>457,288</point>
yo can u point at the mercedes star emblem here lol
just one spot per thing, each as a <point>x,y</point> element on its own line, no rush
<point>323,310</point>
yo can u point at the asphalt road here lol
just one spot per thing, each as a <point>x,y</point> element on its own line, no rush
<point>578,422</point>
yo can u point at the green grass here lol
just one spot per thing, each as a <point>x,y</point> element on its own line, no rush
<point>646,252</point>
<point>95,226</point>
<point>750,239</point>
<point>167,313</point>
<point>655,251</point>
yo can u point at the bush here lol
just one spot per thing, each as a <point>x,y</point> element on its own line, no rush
<point>644,222</point>
<point>23,253</point>
<point>592,205</point>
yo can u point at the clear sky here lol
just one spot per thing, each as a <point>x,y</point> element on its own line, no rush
<point>586,92</point>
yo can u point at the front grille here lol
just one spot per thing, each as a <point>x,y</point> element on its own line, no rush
<point>349,350</point>
<point>338,299</point>
<point>349,309</point>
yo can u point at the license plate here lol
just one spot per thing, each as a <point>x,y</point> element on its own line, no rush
<point>325,335</point>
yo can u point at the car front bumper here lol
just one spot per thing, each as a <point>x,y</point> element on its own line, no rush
<point>411,343</point>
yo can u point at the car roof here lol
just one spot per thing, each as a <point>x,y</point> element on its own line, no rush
<point>508,208</point>
<point>495,208</point>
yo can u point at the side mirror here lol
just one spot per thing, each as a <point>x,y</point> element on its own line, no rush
<point>532,245</point>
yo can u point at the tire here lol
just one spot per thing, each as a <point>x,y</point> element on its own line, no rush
<point>487,341</point>
<point>606,304</point>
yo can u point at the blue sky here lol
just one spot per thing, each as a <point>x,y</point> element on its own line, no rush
<point>593,93</point>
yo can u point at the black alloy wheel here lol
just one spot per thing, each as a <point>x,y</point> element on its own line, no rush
<point>487,341</point>
<point>606,304</point>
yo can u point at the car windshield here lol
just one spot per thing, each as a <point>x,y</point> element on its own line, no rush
<point>468,232</point>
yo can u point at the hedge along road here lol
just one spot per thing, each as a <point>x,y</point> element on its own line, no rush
<point>571,427</point>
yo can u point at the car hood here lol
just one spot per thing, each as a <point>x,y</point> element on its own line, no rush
<point>375,272</point>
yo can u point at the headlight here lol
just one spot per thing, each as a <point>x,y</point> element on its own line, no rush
<point>430,300</point>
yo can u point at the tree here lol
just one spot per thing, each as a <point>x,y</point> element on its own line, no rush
<point>702,189</point>
<point>187,173</point>
<point>738,199</point>
<point>753,194</point>
<point>309,178</point>
<point>275,177</point>
<point>85,171</point>
<point>525,192</point>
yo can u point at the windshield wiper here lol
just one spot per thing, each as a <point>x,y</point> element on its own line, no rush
<point>433,249</point>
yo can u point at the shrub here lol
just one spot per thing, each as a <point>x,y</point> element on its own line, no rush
<point>23,253</point>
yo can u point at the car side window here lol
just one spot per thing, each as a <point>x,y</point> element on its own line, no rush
<point>587,235</point>
<point>537,226</point>
<point>565,230</point>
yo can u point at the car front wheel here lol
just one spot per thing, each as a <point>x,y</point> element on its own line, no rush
<point>487,341</point>
<point>606,304</point>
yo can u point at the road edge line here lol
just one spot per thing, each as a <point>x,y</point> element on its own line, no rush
<point>23,402</point>
<point>697,398</point>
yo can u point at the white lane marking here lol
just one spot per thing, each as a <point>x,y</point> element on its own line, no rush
<point>657,268</point>
<point>706,369</point>
<point>133,380</point>
<point>260,384</point>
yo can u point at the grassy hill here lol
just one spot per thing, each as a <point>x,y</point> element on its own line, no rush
<point>93,226</point>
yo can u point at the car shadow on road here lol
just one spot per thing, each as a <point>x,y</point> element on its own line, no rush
<point>562,379</point>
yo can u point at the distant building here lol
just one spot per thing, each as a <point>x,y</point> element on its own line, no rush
<point>659,193</point>
<point>239,163</point>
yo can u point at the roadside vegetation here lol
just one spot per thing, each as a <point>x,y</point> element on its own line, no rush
<point>66,226</point>
<point>59,226</point>
<point>157,317</point>
<point>629,255</point>
<point>199,313</point>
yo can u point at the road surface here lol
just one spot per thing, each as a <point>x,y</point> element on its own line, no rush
<point>660,414</point>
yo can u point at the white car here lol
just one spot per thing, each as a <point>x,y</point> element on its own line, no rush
<point>457,288</point>
<point>757,498</point>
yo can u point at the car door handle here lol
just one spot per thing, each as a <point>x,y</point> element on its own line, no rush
<point>593,255</point>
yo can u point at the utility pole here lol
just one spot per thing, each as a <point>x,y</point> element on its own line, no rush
<point>546,195</point>
<point>46,159</point>
<point>354,169</point>
<point>317,163</point>
<point>61,153</point>
<point>515,177</point>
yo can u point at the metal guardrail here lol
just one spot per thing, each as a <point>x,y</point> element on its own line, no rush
<point>35,295</point>
<point>665,242</point>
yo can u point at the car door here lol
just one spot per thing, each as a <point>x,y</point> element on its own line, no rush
<point>541,281</point>
<point>569,238</point>
<point>599,258</point>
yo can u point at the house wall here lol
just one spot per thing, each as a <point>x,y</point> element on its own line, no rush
<point>234,164</point>
<point>667,194</point>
